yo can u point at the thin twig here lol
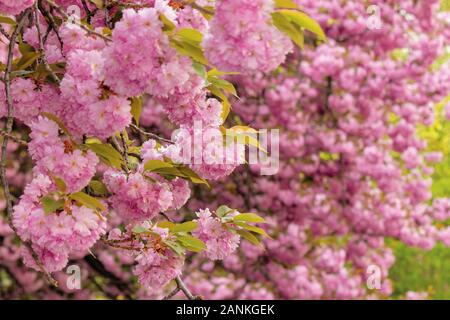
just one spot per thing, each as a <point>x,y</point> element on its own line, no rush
<point>180,284</point>
<point>85,28</point>
<point>185,289</point>
<point>195,6</point>
<point>98,266</point>
<point>151,135</point>
<point>14,138</point>
<point>4,33</point>
<point>125,153</point>
<point>166,216</point>
<point>113,3</point>
<point>41,47</point>
<point>52,23</point>
<point>172,294</point>
<point>8,129</point>
<point>118,246</point>
<point>106,13</point>
<point>88,12</point>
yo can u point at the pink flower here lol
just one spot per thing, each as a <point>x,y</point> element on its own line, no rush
<point>220,242</point>
<point>54,236</point>
<point>155,269</point>
<point>13,7</point>
<point>243,39</point>
<point>137,198</point>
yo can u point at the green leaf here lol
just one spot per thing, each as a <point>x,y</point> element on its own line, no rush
<point>200,69</point>
<point>225,102</point>
<point>244,135</point>
<point>139,229</point>
<point>51,205</point>
<point>185,227</point>
<point>155,165</point>
<point>222,84</point>
<point>192,175</point>
<point>136,108</point>
<point>7,20</point>
<point>98,187</point>
<point>166,225</point>
<point>440,61</point>
<point>223,211</point>
<point>166,168</point>
<point>303,20</point>
<point>190,35</point>
<point>249,217</point>
<point>284,25</point>
<point>167,24</point>
<point>107,153</point>
<point>25,48</point>
<point>98,3</point>
<point>445,5</point>
<point>190,49</point>
<point>192,243</point>
<point>87,201</point>
<point>248,236</point>
<point>176,247</point>
<point>26,60</point>
<point>217,73</point>
<point>187,42</point>
<point>326,156</point>
<point>288,4</point>
<point>60,184</point>
<point>252,228</point>
<point>169,172</point>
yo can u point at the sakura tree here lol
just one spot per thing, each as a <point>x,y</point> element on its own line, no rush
<point>128,123</point>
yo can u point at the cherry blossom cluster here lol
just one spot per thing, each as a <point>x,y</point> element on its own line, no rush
<point>55,236</point>
<point>355,170</point>
<point>15,7</point>
<point>362,173</point>
<point>220,242</point>
<point>242,38</point>
<point>55,156</point>
<point>156,264</point>
<point>204,150</point>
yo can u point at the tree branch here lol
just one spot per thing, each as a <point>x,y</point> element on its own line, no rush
<point>185,289</point>
<point>98,267</point>
<point>8,129</point>
<point>180,284</point>
<point>14,138</point>
<point>151,135</point>
<point>51,23</point>
<point>41,47</point>
<point>172,294</point>
<point>85,28</point>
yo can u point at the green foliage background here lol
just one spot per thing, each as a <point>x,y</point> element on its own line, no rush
<point>416,269</point>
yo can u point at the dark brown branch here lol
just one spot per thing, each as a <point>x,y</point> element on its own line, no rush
<point>51,23</point>
<point>151,135</point>
<point>85,28</point>
<point>98,267</point>
<point>41,47</point>
<point>8,129</point>
<point>185,289</point>
<point>125,153</point>
<point>180,284</point>
<point>14,138</point>
<point>4,33</point>
<point>172,294</point>
<point>88,12</point>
